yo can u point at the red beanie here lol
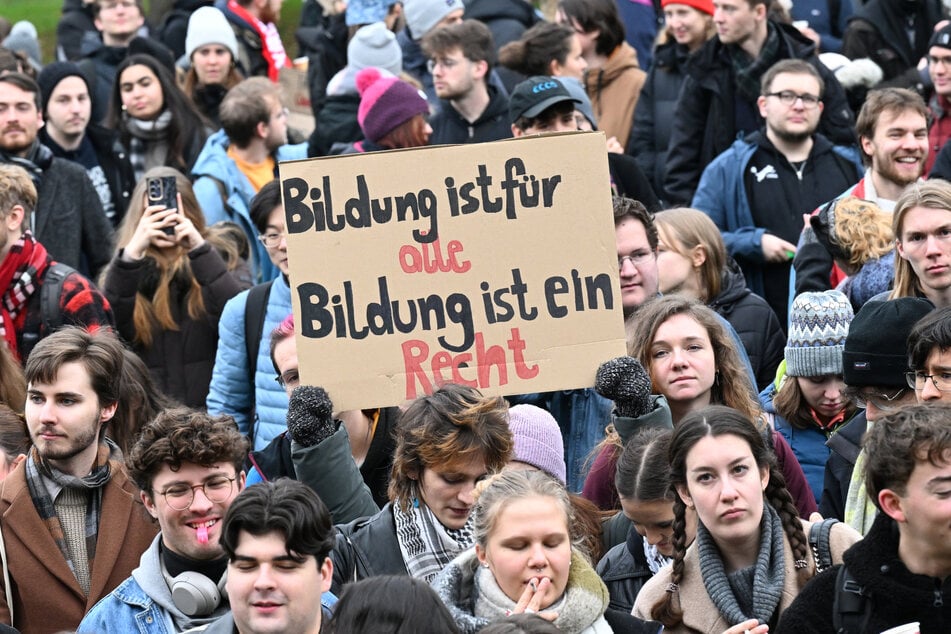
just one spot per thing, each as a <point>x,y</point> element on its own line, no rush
<point>703,6</point>
<point>385,103</point>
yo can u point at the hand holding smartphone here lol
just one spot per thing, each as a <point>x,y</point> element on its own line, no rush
<point>162,190</point>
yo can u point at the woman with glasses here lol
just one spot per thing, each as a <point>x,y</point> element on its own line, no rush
<point>168,283</point>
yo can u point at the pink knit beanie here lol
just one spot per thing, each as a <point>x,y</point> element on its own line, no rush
<point>385,103</point>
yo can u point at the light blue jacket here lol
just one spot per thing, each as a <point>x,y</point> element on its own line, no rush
<point>230,391</point>
<point>213,166</point>
<point>143,603</point>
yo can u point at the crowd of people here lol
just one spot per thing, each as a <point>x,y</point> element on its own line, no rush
<point>772,454</point>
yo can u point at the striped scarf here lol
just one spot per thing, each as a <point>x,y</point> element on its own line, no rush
<point>37,469</point>
<point>21,272</point>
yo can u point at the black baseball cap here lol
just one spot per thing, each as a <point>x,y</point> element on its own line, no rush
<point>535,95</point>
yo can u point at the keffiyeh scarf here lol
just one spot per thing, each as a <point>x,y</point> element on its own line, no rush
<point>426,545</point>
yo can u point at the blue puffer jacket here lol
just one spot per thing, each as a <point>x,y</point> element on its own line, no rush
<point>722,196</point>
<point>809,445</point>
<point>230,392</point>
<point>213,167</point>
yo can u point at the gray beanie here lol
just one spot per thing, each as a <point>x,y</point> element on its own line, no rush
<point>818,326</point>
<point>422,15</point>
<point>208,25</point>
<point>375,46</point>
<point>23,38</point>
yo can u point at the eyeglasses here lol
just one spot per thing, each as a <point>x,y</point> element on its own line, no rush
<point>882,401</point>
<point>271,240</point>
<point>290,378</point>
<point>918,380</point>
<point>944,60</point>
<point>216,489</point>
<point>788,98</point>
<point>446,62</point>
<point>637,258</point>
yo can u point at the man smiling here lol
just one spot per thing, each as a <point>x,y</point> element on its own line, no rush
<point>188,468</point>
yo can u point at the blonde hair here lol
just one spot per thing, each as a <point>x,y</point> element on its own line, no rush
<point>863,230</point>
<point>16,188</point>
<point>933,194</point>
<point>682,229</point>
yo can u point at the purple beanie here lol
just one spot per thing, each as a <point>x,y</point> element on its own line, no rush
<point>385,103</point>
<point>538,440</point>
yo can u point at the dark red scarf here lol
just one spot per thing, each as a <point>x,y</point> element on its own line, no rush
<point>21,274</point>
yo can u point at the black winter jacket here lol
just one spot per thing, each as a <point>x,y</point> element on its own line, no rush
<point>336,123</point>
<point>75,27</point>
<point>114,161</point>
<point>895,595</point>
<point>654,113</point>
<point>624,571</point>
<point>180,361</point>
<point>845,445</point>
<point>492,125</point>
<point>753,320</point>
<point>704,121</point>
<point>366,547</point>
<point>69,220</point>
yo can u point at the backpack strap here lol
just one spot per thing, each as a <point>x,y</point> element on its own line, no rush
<point>851,609</point>
<point>50,294</point>
<point>819,542</point>
<point>255,310</point>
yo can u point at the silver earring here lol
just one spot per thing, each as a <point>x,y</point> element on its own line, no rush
<point>484,564</point>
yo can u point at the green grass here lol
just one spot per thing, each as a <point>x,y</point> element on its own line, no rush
<point>44,14</point>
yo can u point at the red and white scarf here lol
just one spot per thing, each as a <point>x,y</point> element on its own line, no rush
<point>21,274</point>
<point>271,46</point>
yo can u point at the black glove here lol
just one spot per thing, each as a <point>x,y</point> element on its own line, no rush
<point>310,416</point>
<point>624,381</point>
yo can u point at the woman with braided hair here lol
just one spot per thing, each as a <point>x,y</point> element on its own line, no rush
<point>751,556</point>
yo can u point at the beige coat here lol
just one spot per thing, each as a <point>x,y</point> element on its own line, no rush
<point>700,614</point>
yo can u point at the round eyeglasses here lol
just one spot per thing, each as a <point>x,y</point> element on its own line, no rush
<point>216,489</point>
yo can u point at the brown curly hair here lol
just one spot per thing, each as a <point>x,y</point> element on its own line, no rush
<point>180,435</point>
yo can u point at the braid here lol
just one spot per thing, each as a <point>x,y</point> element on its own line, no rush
<point>667,610</point>
<point>778,496</point>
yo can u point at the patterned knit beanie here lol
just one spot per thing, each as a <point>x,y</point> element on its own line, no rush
<point>818,326</point>
<point>538,440</point>
<point>385,103</point>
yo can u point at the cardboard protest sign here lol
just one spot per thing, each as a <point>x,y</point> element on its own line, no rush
<point>492,265</point>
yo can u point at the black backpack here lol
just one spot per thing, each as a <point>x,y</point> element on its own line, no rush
<point>255,309</point>
<point>50,314</point>
<point>851,608</point>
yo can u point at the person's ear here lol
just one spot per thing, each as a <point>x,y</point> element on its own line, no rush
<point>698,256</point>
<point>14,218</point>
<point>868,146</point>
<point>148,503</point>
<point>891,505</point>
<point>480,554</point>
<point>684,494</point>
<point>517,132</point>
<point>481,68</point>
<point>242,479</point>
<point>326,574</point>
<point>107,412</point>
<point>261,129</point>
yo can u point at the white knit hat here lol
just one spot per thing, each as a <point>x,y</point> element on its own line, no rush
<point>375,46</point>
<point>208,25</point>
<point>422,15</point>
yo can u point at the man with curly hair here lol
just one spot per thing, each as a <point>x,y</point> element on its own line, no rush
<point>187,465</point>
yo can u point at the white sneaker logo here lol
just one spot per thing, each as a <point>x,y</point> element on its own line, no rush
<point>767,172</point>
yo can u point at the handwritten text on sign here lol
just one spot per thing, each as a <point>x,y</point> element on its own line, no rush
<point>490,265</point>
